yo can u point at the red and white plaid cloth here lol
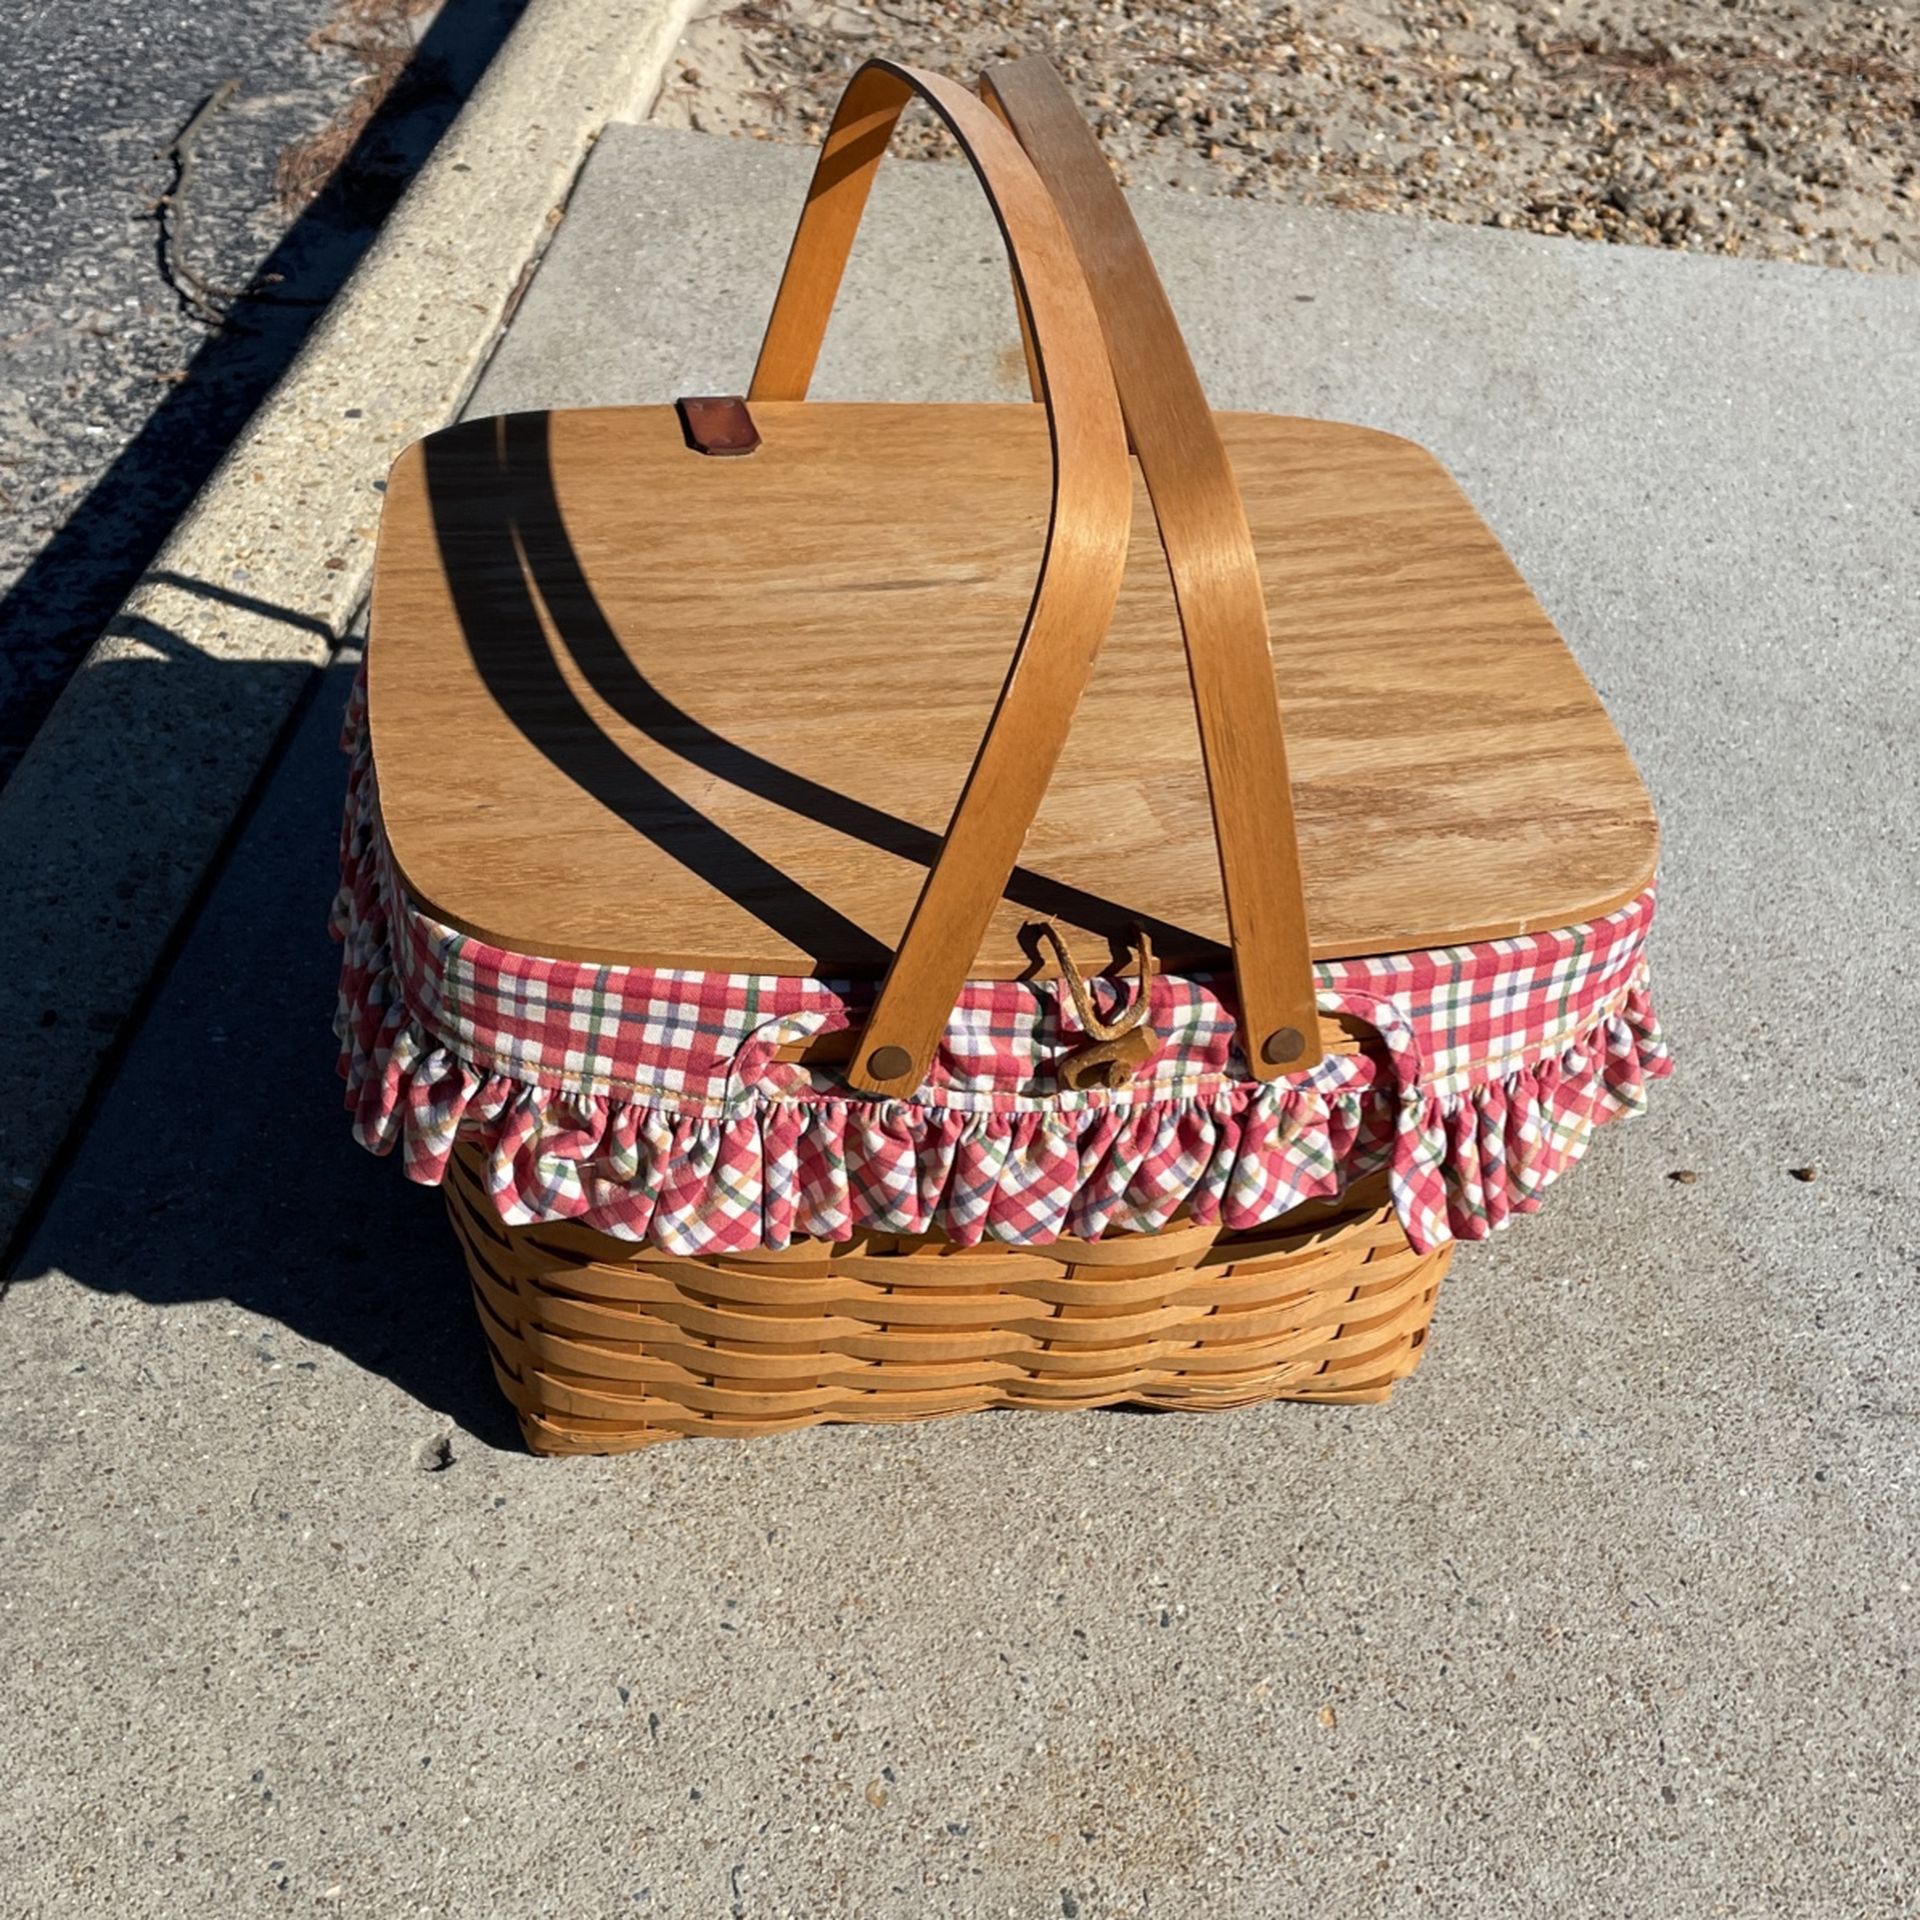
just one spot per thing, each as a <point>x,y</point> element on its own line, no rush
<point>647,1102</point>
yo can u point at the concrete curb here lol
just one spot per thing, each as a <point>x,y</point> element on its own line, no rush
<point>128,794</point>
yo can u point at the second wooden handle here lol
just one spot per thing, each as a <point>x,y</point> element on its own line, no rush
<point>1210,556</point>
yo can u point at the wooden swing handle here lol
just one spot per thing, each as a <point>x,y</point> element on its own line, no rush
<point>1210,556</point>
<point>1083,559</point>
<point>1068,230</point>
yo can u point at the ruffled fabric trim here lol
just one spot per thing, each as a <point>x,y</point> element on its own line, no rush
<point>778,1163</point>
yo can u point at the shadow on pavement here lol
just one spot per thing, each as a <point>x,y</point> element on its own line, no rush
<point>218,1165</point>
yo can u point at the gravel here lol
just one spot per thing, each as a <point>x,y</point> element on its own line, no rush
<point>1760,127</point>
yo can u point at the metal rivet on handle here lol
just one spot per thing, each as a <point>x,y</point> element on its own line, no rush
<point>889,1063</point>
<point>1283,1044</point>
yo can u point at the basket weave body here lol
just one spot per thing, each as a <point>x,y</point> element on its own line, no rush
<point>604,1346</point>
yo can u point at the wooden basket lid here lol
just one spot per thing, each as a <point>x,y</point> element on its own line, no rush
<point>633,704</point>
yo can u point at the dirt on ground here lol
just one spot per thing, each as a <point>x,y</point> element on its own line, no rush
<point>1781,129</point>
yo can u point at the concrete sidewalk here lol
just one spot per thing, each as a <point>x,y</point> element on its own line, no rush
<point>1612,1612</point>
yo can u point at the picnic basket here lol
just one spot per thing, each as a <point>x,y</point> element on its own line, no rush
<point>769,1083</point>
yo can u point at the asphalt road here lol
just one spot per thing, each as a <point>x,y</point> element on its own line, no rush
<point>119,386</point>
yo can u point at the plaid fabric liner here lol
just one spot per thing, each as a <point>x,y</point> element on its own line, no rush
<point>647,1102</point>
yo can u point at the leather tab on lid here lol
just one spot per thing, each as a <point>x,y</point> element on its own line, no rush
<point>718,423</point>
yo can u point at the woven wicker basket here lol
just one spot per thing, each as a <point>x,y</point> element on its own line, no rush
<point>604,1347</point>
<point>571,616</point>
